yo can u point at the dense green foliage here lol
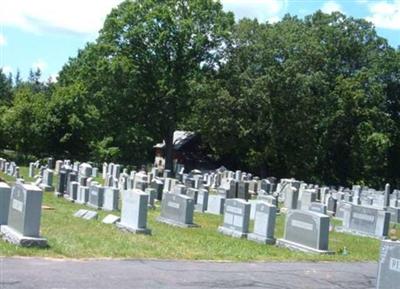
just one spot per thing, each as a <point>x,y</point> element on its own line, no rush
<point>316,98</point>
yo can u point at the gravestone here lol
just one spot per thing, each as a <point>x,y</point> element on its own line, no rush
<point>215,204</point>
<point>134,212</point>
<point>236,218</point>
<point>202,201</point>
<point>111,219</point>
<point>308,196</point>
<point>365,221</point>
<point>332,205</point>
<point>83,195</point>
<point>83,181</point>
<point>177,210</point>
<point>266,186</point>
<point>389,265</point>
<point>73,191</point>
<point>158,185</point>
<point>180,189</point>
<point>50,163</point>
<point>243,190</point>
<point>47,182</point>
<point>306,231</point>
<point>5,194</point>
<point>80,213</point>
<point>31,173</point>
<point>24,215</point>
<point>394,214</point>
<point>193,193</point>
<point>152,197</point>
<point>264,224</point>
<point>291,196</point>
<point>94,172</point>
<point>111,198</point>
<point>90,215</point>
<point>340,210</point>
<point>270,199</point>
<point>71,177</point>
<point>58,166</point>
<point>318,208</point>
<point>62,181</point>
<point>233,189</point>
<point>85,170</point>
<point>104,171</point>
<point>96,196</point>
<point>387,196</point>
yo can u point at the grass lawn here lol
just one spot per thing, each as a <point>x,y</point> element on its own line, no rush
<point>71,237</point>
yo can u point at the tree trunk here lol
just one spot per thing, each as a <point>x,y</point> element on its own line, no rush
<point>169,151</point>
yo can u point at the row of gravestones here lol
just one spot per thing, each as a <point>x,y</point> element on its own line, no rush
<point>358,219</point>
<point>370,222</point>
<point>100,197</point>
<point>176,209</point>
<point>9,168</point>
<point>21,224</point>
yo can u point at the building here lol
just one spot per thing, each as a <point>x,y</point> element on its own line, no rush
<point>188,151</point>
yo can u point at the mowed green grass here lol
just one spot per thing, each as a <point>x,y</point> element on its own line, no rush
<point>70,237</point>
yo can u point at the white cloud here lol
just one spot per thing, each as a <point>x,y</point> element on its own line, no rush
<point>331,6</point>
<point>54,78</point>
<point>79,16</point>
<point>263,10</point>
<point>3,40</point>
<point>385,14</point>
<point>7,69</point>
<point>39,64</point>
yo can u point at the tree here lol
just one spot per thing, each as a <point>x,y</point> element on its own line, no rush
<point>5,89</point>
<point>167,43</point>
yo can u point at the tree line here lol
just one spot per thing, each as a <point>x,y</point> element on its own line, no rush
<point>315,98</point>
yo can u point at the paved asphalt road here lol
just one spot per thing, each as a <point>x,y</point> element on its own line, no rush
<point>16,273</point>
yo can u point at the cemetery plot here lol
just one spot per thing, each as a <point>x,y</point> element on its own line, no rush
<point>102,240</point>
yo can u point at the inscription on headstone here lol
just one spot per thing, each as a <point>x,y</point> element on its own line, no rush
<point>236,218</point>
<point>177,210</point>
<point>306,231</point>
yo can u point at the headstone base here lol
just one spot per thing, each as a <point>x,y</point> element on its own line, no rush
<point>298,247</point>
<point>93,206</point>
<point>176,224</point>
<point>46,188</point>
<point>58,194</point>
<point>68,198</point>
<point>111,219</point>
<point>79,202</point>
<point>13,237</point>
<point>358,233</point>
<point>133,230</point>
<point>232,233</point>
<point>260,239</point>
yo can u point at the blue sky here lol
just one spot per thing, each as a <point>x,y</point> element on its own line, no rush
<point>45,33</point>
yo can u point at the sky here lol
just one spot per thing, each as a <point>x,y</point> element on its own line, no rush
<point>46,33</point>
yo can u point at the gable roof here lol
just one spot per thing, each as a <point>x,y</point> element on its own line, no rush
<point>180,138</point>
